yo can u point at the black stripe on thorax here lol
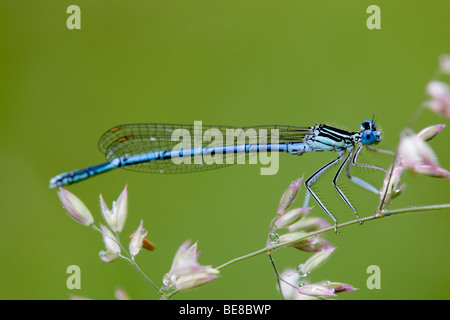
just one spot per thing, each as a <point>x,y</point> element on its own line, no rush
<point>334,133</point>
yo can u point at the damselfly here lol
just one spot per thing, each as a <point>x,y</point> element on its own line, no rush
<point>154,148</point>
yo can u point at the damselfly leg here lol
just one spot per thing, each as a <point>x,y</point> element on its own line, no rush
<point>312,180</point>
<point>357,180</point>
<point>353,155</point>
<point>347,202</point>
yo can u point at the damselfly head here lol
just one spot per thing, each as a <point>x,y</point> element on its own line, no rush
<point>369,133</point>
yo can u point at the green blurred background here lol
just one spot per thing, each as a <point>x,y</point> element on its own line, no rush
<point>221,62</point>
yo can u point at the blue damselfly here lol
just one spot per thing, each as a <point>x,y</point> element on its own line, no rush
<point>154,148</point>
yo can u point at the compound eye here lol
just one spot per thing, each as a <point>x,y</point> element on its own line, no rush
<point>369,137</point>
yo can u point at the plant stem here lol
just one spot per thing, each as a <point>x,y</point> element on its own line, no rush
<point>277,274</point>
<point>140,271</point>
<point>130,260</point>
<point>416,209</point>
<point>268,249</point>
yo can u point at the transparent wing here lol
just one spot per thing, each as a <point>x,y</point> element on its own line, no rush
<point>133,139</point>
